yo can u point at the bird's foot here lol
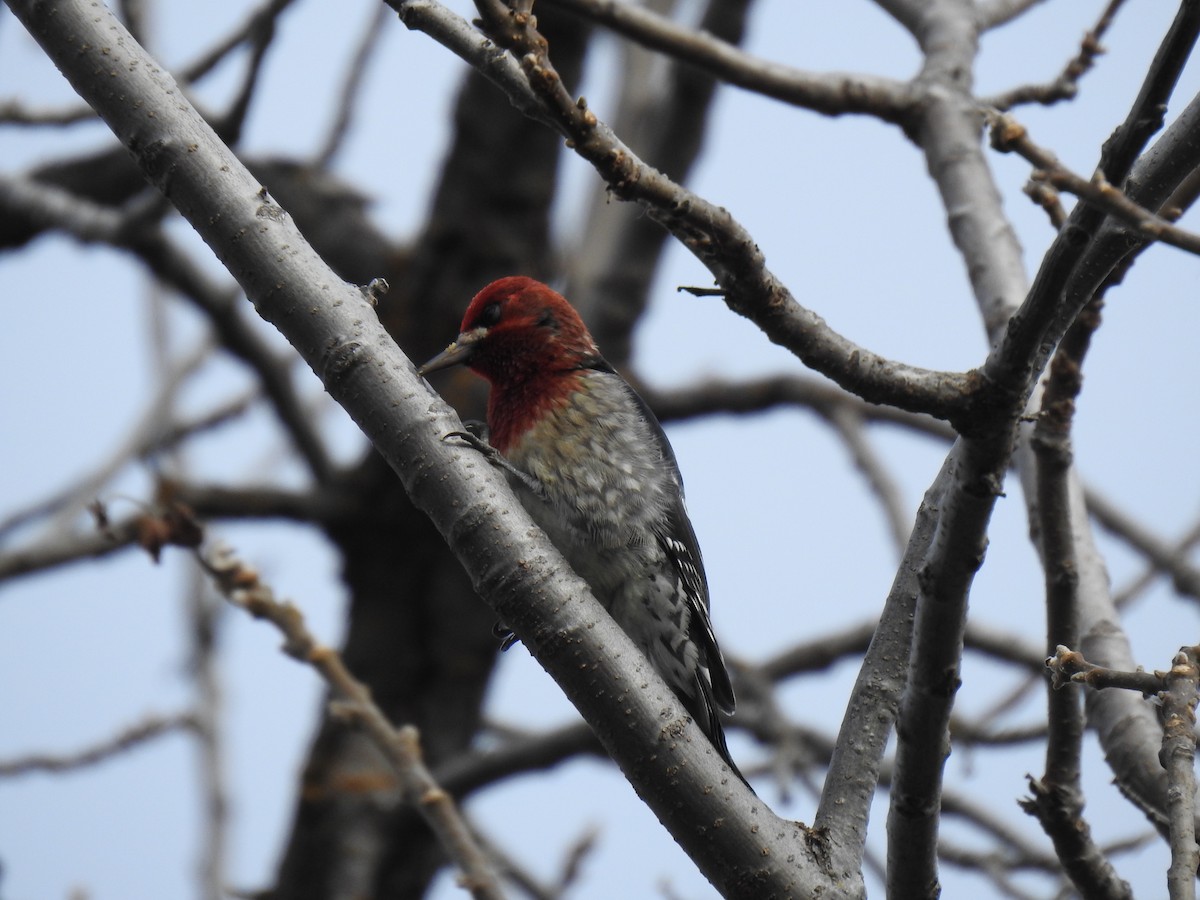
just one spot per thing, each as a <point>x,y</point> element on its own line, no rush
<point>476,437</point>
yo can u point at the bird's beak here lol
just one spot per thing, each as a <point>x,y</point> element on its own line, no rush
<point>458,352</point>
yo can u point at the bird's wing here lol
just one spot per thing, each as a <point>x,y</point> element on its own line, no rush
<point>678,538</point>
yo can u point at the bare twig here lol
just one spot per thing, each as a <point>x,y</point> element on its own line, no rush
<point>244,588</point>
<point>62,548</point>
<point>1004,645</point>
<point>141,439</point>
<point>91,222</point>
<point>127,739</point>
<point>1135,587</point>
<point>666,112</point>
<point>573,859</point>
<point>1057,797</point>
<point>351,90</point>
<point>1166,559</point>
<point>871,465</point>
<point>230,123</point>
<point>1068,666</point>
<point>576,855</point>
<point>258,21</point>
<point>1066,85</point>
<point>1010,136</point>
<point>819,653</point>
<point>968,734</point>
<point>518,753</point>
<point>136,18</point>
<point>323,505</point>
<point>762,394</point>
<point>515,873</point>
<point>1010,840</point>
<point>1179,759</point>
<point>156,526</point>
<point>172,434</point>
<point>1048,199</point>
<point>14,112</point>
<point>831,94</point>
<point>202,610</point>
<point>844,412</point>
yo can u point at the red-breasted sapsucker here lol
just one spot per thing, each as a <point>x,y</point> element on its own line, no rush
<point>590,462</point>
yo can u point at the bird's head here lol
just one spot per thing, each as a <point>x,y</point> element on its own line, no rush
<point>517,328</point>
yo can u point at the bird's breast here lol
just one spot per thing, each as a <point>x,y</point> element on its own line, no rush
<point>602,486</point>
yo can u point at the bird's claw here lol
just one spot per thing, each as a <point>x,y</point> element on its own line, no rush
<point>476,442</point>
<point>476,439</point>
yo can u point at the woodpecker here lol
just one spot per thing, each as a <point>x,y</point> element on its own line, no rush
<point>591,464</point>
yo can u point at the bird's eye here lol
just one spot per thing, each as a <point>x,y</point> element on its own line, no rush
<point>489,315</point>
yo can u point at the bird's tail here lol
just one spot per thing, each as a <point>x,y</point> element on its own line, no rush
<point>704,710</point>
